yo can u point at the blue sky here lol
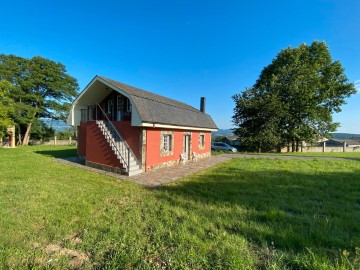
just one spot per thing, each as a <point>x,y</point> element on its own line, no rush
<point>183,49</point>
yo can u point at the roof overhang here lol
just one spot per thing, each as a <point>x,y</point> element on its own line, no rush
<point>158,125</point>
<point>93,93</point>
<point>98,89</point>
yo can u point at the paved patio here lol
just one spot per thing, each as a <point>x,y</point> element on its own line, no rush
<point>159,176</point>
<point>170,174</point>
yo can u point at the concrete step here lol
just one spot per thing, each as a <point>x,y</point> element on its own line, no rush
<point>132,162</point>
<point>135,172</point>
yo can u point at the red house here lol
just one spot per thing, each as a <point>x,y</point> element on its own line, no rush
<point>128,130</point>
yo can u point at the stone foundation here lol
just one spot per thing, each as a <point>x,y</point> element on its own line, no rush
<point>104,167</point>
<point>205,155</point>
<point>175,162</point>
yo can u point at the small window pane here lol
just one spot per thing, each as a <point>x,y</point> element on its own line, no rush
<point>167,142</point>
<point>202,140</point>
<point>109,106</point>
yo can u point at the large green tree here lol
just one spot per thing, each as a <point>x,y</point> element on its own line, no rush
<point>293,99</point>
<point>41,88</point>
<point>6,107</point>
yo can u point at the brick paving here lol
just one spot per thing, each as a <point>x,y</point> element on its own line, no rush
<point>170,174</point>
<point>159,176</point>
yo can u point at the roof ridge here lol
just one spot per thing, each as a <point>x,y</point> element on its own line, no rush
<point>173,100</point>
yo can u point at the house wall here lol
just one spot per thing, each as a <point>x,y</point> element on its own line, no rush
<point>98,149</point>
<point>130,134</point>
<point>82,139</point>
<point>154,157</point>
<point>200,150</point>
<point>93,146</point>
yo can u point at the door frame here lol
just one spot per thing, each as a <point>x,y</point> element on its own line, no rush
<point>187,144</point>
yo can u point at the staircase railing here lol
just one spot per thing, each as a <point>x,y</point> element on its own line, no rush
<point>124,147</point>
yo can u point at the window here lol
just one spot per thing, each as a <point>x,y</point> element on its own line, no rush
<point>167,143</point>
<point>128,105</point>
<point>109,106</point>
<point>201,140</point>
<point>84,117</point>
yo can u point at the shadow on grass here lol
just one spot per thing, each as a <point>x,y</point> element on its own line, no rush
<point>58,153</point>
<point>290,210</point>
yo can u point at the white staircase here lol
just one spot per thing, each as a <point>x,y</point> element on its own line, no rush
<point>121,149</point>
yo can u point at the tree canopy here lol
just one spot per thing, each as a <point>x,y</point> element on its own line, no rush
<point>6,107</point>
<point>293,99</point>
<point>40,88</point>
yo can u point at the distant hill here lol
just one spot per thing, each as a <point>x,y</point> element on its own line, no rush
<point>60,126</point>
<point>344,135</point>
<point>222,132</point>
<point>335,135</point>
<point>56,124</point>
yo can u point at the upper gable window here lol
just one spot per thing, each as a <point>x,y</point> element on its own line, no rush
<point>109,106</point>
<point>128,105</point>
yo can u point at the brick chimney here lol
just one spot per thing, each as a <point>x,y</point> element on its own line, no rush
<point>202,104</point>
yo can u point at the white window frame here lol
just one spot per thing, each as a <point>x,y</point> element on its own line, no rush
<point>202,140</point>
<point>128,105</point>
<point>167,142</point>
<point>110,105</point>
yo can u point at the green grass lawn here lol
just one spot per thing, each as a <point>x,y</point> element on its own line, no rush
<point>242,214</point>
<point>327,154</point>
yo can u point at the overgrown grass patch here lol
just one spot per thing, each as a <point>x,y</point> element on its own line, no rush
<point>242,214</point>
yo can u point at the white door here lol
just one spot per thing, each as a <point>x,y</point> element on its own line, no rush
<point>187,146</point>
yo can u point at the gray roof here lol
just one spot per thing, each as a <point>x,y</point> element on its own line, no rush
<point>157,109</point>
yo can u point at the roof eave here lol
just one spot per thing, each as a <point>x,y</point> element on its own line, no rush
<point>160,125</point>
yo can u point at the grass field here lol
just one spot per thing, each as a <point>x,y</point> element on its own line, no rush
<point>346,155</point>
<point>355,155</point>
<point>242,214</point>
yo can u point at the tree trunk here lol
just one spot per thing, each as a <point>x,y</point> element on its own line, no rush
<point>258,149</point>
<point>297,145</point>
<point>293,145</point>
<point>27,134</point>
<point>19,136</point>
<point>28,129</point>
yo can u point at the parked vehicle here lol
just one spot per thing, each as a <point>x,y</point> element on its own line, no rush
<point>222,146</point>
